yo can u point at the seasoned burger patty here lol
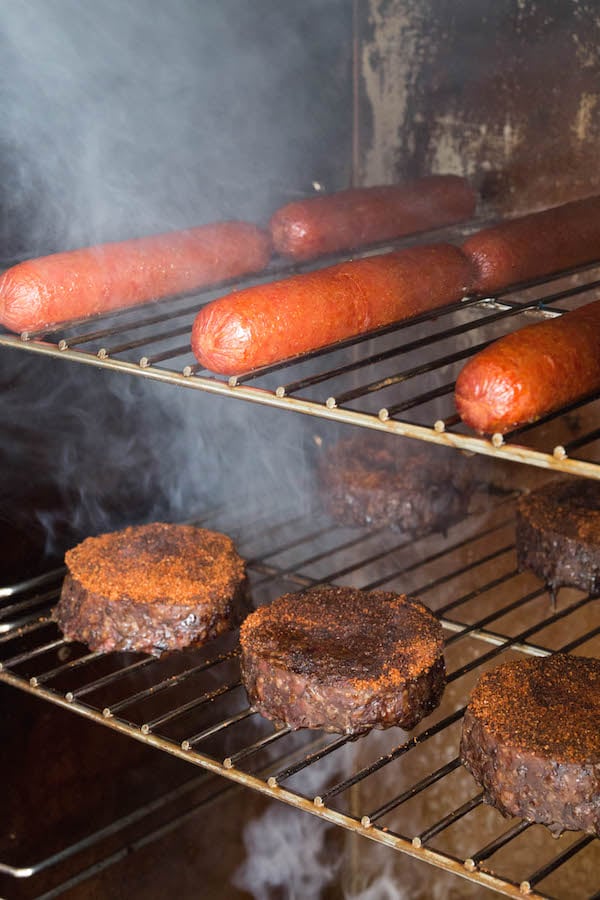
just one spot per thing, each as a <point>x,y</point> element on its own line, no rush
<point>531,738</point>
<point>558,533</point>
<point>343,660</point>
<point>414,490</point>
<point>152,588</point>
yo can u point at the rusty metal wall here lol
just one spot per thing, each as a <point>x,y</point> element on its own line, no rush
<point>503,91</point>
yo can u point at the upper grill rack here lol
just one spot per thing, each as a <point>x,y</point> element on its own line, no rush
<point>399,379</point>
<point>409,793</point>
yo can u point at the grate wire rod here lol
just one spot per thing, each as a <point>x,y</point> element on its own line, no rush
<point>188,743</point>
<point>448,820</point>
<point>23,605</point>
<point>339,548</point>
<point>32,654</point>
<point>422,562</point>
<point>411,792</point>
<point>497,843</point>
<point>115,826</point>
<point>171,681</point>
<point>230,761</point>
<point>443,579</point>
<point>558,861</point>
<point>109,678</point>
<point>497,614</point>
<point>42,622</point>
<point>147,727</point>
<point>65,667</point>
<point>171,353</point>
<point>417,344</point>
<point>420,400</point>
<point>290,545</point>
<point>394,754</point>
<point>284,774</point>
<point>143,342</point>
<point>582,441</point>
<point>88,337</point>
<point>518,638</point>
<point>401,377</point>
<point>477,592</point>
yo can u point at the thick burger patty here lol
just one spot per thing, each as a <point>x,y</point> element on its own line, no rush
<point>531,738</point>
<point>558,534</point>
<point>152,588</point>
<point>415,490</point>
<point>343,660</point>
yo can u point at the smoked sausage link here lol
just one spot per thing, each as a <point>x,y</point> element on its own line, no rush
<point>531,372</point>
<point>271,322</point>
<point>328,223</point>
<point>78,283</point>
<point>535,245</point>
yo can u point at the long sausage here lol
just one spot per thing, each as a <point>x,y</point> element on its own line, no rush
<point>535,245</point>
<point>329,223</point>
<point>78,283</point>
<point>271,322</point>
<point>531,372</point>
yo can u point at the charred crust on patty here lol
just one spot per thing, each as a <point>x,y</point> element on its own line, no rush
<point>531,739</point>
<point>558,534</point>
<point>413,490</point>
<point>152,588</point>
<point>343,660</point>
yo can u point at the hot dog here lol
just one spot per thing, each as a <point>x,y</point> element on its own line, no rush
<point>329,223</point>
<point>535,245</point>
<point>531,372</point>
<point>75,284</point>
<point>271,322</point>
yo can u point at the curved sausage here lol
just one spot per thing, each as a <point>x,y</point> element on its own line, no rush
<point>531,372</point>
<point>78,283</point>
<point>329,223</point>
<point>270,322</point>
<point>535,245</point>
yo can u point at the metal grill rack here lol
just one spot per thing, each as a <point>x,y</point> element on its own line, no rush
<point>408,792</point>
<point>398,380</point>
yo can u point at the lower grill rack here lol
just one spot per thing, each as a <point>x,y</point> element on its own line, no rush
<point>406,791</point>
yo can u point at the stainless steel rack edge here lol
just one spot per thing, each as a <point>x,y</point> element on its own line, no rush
<point>494,447</point>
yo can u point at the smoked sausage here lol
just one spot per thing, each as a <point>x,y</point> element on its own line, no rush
<point>52,289</point>
<point>531,372</point>
<point>535,245</point>
<point>329,223</point>
<point>271,322</point>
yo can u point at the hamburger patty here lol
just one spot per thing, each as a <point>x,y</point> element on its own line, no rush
<point>343,660</point>
<point>152,588</point>
<point>413,490</point>
<point>558,534</point>
<point>531,739</point>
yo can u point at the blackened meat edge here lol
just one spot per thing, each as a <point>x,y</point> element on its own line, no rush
<point>531,739</point>
<point>343,660</point>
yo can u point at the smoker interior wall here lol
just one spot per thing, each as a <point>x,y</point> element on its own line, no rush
<point>503,91</point>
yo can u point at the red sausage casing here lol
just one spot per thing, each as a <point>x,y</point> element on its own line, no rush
<point>531,372</point>
<point>328,223</point>
<point>78,283</point>
<point>535,245</point>
<point>270,322</point>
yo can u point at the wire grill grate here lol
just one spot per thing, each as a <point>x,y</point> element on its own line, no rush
<point>399,379</point>
<point>406,791</point>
